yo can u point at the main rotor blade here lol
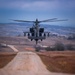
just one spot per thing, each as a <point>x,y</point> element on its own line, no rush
<point>22,20</point>
<point>48,20</point>
<point>58,20</point>
<point>54,20</point>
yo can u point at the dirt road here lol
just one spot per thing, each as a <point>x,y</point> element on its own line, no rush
<point>13,48</point>
<point>26,63</point>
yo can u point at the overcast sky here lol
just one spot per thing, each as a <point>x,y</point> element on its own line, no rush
<point>41,9</point>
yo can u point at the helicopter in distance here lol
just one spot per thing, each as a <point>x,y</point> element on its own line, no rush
<point>35,32</point>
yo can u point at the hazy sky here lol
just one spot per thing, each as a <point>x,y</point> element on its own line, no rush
<point>41,9</point>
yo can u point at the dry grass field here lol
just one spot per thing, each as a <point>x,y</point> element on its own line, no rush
<point>5,58</point>
<point>58,61</point>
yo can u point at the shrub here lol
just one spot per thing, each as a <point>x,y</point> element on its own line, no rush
<point>49,49</point>
<point>37,49</point>
<point>59,46</point>
<point>72,37</point>
<point>70,47</point>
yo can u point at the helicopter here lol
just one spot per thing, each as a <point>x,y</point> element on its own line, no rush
<point>35,32</point>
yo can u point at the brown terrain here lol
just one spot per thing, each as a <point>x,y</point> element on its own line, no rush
<point>59,61</point>
<point>27,61</point>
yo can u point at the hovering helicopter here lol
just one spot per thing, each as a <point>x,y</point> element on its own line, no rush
<point>35,32</point>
